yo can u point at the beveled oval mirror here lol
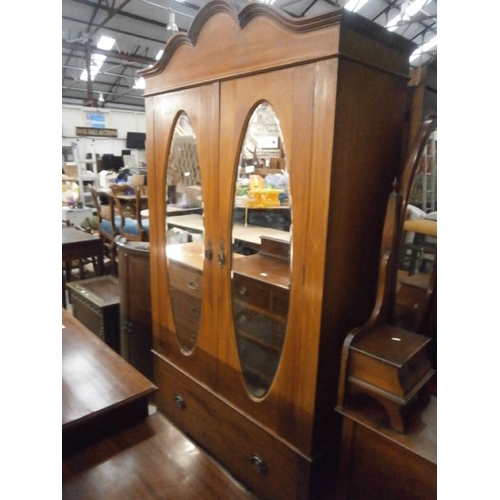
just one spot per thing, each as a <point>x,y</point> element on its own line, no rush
<point>261,263</point>
<point>184,230</point>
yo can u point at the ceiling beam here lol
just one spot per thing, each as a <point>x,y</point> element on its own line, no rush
<point>112,54</point>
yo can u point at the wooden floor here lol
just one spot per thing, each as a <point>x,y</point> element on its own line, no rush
<point>112,449</point>
<point>150,460</point>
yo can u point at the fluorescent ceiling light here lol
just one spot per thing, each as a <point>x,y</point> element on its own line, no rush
<point>95,66</point>
<point>414,7</point>
<point>408,10</point>
<point>424,48</point>
<point>105,43</point>
<point>158,56</point>
<point>171,26</point>
<point>98,59</point>
<point>355,5</point>
<point>139,83</point>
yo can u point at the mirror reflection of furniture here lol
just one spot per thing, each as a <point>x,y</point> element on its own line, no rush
<point>130,202</point>
<point>416,275</point>
<point>260,282</point>
<point>415,300</point>
<point>107,223</point>
<point>185,253</point>
<point>260,292</point>
<point>381,359</point>
<point>419,244</point>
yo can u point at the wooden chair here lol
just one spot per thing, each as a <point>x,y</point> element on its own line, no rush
<point>107,224</point>
<point>130,201</point>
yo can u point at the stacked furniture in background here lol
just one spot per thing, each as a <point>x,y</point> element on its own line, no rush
<point>108,223</point>
<point>129,202</point>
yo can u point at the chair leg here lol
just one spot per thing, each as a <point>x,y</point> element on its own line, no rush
<point>112,260</point>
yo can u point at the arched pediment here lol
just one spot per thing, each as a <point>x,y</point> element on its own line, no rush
<point>222,44</point>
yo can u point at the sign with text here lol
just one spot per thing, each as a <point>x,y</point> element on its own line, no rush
<point>96,120</point>
<point>97,132</point>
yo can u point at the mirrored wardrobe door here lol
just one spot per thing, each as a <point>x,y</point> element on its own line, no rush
<point>261,236</point>
<point>184,244</point>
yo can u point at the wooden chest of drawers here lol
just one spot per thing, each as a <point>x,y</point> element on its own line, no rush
<point>186,289</point>
<point>267,465</point>
<point>96,304</point>
<point>260,291</point>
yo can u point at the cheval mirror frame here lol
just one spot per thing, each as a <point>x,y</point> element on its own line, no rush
<point>376,335</point>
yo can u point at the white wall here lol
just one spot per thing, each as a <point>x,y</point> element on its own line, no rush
<point>123,121</point>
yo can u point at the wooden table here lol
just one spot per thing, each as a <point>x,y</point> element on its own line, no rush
<point>101,392</point>
<point>77,245</point>
<point>175,210</point>
<point>249,234</point>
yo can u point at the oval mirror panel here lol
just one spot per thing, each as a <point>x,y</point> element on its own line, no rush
<point>261,263</point>
<point>184,230</point>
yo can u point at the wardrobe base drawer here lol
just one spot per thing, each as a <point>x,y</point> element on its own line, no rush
<point>260,460</point>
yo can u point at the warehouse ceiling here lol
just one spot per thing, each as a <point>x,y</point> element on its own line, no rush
<point>141,28</point>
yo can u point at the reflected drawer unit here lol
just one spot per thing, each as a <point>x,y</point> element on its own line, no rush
<point>96,304</point>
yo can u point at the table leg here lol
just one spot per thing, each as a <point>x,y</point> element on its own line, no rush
<point>64,290</point>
